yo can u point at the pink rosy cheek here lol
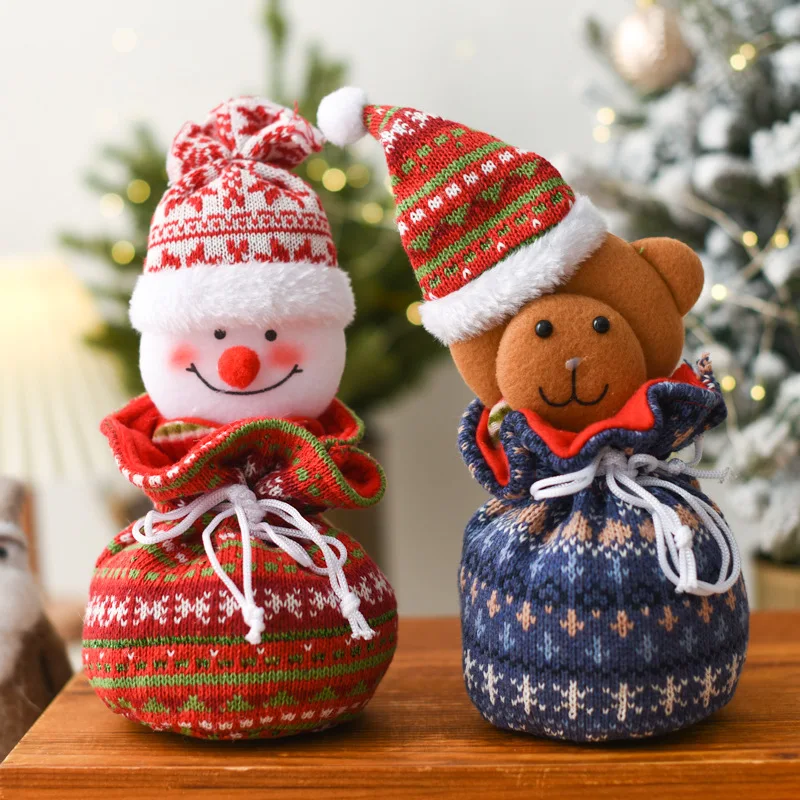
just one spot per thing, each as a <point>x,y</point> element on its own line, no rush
<point>182,356</point>
<point>284,354</point>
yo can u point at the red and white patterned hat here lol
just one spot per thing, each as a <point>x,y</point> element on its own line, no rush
<point>487,227</point>
<point>238,239</point>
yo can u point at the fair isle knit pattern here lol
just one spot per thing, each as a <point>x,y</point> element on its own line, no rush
<point>463,197</point>
<point>487,226</point>
<point>237,236</point>
<point>164,644</point>
<point>570,628</point>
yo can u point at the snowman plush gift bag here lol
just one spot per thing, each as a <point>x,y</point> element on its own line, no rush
<point>233,609</point>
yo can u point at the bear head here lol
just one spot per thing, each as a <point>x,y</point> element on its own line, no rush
<point>576,355</point>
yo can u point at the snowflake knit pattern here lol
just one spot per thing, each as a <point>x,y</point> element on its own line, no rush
<point>570,628</point>
<point>164,644</point>
<point>221,208</point>
<point>238,236</point>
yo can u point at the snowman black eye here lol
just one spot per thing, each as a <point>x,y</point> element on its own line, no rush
<point>3,553</point>
<point>601,324</point>
<point>219,333</point>
<point>271,335</point>
<point>544,328</point>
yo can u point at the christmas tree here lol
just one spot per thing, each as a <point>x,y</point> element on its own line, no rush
<point>700,127</point>
<point>387,350</point>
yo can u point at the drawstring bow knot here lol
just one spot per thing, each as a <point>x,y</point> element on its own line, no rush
<point>240,501</point>
<point>630,479</point>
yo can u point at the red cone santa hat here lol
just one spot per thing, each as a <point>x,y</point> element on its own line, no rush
<point>238,239</point>
<point>487,227</point>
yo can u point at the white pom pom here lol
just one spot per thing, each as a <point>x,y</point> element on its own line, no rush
<point>340,116</point>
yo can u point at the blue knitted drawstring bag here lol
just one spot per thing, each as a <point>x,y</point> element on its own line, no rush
<point>601,590</point>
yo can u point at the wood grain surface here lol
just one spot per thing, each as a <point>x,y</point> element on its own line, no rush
<point>421,738</point>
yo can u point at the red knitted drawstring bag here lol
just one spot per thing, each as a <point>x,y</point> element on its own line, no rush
<point>233,609</point>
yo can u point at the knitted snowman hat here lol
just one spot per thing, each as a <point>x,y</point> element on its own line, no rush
<point>237,239</point>
<point>487,227</point>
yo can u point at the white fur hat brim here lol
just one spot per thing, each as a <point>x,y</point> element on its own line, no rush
<point>251,293</point>
<point>526,273</point>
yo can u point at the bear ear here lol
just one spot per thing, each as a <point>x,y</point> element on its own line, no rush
<point>476,360</point>
<point>678,265</point>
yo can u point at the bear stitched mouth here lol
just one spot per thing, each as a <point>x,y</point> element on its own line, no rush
<point>574,396</point>
<point>294,371</point>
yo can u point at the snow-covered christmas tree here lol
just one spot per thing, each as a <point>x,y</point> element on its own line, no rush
<point>700,126</point>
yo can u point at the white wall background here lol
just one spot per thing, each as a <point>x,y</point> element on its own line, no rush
<point>511,67</point>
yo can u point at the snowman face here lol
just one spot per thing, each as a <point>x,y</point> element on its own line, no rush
<point>232,373</point>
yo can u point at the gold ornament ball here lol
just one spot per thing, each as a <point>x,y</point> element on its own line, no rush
<point>649,51</point>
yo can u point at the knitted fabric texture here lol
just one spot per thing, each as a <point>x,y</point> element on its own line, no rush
<point>164,644</point>
<point>238,237</point>
<point>570,628</point>
<point>487,226</point>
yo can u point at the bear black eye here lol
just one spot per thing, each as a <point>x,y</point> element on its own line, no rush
<point>271,335</point>
<point>544,328</point>
<point>219,333</point>
<point>601,324</point>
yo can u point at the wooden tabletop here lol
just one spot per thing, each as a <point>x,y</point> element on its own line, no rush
<point>421,737</point>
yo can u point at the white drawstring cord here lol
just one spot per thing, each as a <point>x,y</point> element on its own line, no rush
<point>250,512</point>
<point>628,479</point>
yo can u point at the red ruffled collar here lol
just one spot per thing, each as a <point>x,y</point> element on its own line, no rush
<point>635,415</point>
<point>317,462</point>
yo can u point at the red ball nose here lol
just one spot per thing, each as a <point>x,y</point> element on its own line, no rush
<point>238,366</point>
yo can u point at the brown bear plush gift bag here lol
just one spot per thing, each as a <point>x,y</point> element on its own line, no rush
<point>601,591</point>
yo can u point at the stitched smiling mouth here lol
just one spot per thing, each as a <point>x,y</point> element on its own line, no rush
<point>574,396</point>
<point>294,371</point>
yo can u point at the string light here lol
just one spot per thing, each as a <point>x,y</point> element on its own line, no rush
<point>412,313</point>
<point>123,252</point>
<point>601,134</point>
<point>333,179</point>
<point>316,168</point>
<point>748,50</point>
<point>749,238</point>
<point>357,176</point>
<point>606,115</point>
<point>781,239</point>
<point>758,393</point>
<point>719,292</point>
<point>111,205</point>
<point>123,40</point>
<point>728,383</point>
<point>138,191</point>
<point>738,62</point>
<point>372,213</point>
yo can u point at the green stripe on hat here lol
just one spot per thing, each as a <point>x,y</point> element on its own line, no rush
<point>448,172</point>
<point>476,233</point>
<point>388,115</point>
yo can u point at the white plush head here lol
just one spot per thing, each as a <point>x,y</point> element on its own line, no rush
<point>229,373</point>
